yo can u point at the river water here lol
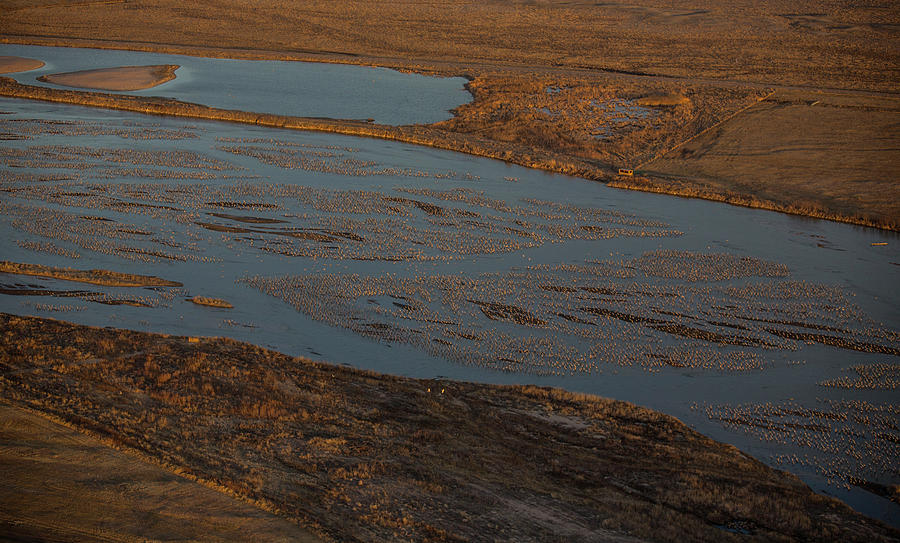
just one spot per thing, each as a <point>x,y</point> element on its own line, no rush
<point>305,89</point>
<point>774,333</point>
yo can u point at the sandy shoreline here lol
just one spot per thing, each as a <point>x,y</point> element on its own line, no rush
<point>93,277</point>
<point>123,78</point>
<point>9,65</point>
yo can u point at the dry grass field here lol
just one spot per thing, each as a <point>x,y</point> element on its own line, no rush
<point>109,495</point>
<point>818,43</point>
<point>603,56</point>
<point>358,456</point>
<point>825,153</point>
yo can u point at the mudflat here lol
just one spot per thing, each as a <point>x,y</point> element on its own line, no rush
<point>124,78</point>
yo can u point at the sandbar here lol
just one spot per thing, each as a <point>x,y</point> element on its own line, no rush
<point>94,277</point>
<point>10,65</point>
<point>211,302</point>
<point>124,78</point>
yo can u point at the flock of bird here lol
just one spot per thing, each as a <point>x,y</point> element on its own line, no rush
<point>846,441</point>
<point>664,310</point>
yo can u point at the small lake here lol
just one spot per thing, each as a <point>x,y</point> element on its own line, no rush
<point>306,89</point>
<point>778,334</point>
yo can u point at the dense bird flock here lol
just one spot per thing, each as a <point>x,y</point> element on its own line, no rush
<point>246,199</point>
<point>879,376</point>
<point>26,129</point>
<point>569,319</point>
<point>851,442</point>
<point>314,222</point>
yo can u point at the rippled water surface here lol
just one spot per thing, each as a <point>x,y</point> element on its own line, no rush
<point>306,89</point>
<point>775,333</point>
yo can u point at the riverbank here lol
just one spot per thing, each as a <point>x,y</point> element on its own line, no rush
<point>501,124</point>
<point>517,54</point>
<point>355,455</point>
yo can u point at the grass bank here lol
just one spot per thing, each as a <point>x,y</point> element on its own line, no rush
<point>360,456</point>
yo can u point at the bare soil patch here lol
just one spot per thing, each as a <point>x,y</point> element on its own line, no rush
<point>124,78</point>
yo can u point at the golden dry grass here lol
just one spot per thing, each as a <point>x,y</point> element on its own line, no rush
<point>109,495</point>
<point>825,154</point>
<point>821,43</point>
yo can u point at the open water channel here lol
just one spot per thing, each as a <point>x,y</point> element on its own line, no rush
<point>778,334</point>
<point>305,89</point>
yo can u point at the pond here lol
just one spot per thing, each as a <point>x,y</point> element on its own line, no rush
<point>775,333</point>
<point>306,89</point>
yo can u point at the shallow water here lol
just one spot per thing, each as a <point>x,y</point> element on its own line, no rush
<point>305,89</point>
<point>215,205</point>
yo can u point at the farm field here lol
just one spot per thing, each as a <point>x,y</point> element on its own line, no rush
<point>820,148</point>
